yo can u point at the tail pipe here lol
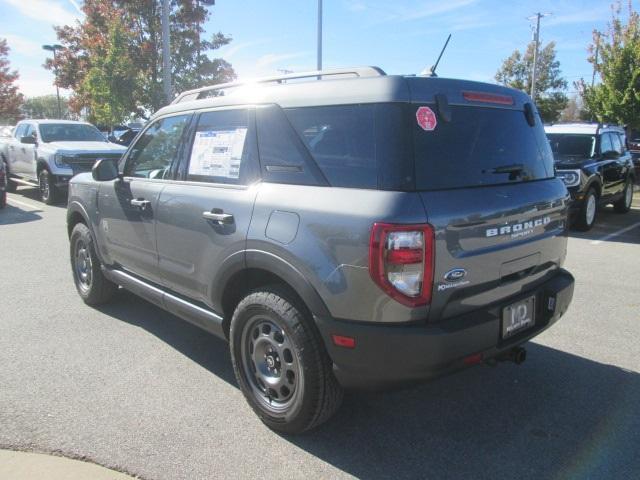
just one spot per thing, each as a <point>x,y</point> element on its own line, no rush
<point>516,355</point>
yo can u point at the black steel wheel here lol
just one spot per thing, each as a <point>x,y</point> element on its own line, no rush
<point>280,362</point>
<point>46,187</point>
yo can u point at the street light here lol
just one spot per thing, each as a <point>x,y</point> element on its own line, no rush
<point>53,48</point>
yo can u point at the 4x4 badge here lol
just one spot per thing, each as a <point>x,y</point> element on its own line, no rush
<point>455,275</point>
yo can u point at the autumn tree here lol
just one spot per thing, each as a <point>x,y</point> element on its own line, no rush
<point>616,98</point>
<point>516,73</point>
<point>191,63</point>
<point>45,106</point>
<point>10,99</point>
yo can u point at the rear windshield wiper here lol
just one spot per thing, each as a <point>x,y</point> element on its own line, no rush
<point>515,168</point>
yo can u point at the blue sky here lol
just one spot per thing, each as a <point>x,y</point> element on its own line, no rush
<point>401,36</point>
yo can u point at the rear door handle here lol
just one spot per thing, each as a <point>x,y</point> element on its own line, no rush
<point>218,216</point>
<point>141,203</point>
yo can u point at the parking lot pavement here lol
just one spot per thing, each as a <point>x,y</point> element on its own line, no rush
<point>133,388</point>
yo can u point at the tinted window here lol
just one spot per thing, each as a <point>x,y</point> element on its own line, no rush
<point>156,149</point>
<point>605,143</point>
<point>357,146</point>
<point>615,140</point>
<point>572,145</point>
<point>70,132</point>
<point>223,148</point>
<point>480,146</point>
<point>283,157</point>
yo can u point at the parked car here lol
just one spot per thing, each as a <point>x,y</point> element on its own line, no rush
<point>5,131</point>
<point>634,148</point>
<point>47,153</point>
<point>3,186</point>
<point>359,231</point>
<point>596,167</point>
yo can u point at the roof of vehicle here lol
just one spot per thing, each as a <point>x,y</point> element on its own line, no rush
<point>44,121</point>
<point>581,128</point>
<point>339,87</point>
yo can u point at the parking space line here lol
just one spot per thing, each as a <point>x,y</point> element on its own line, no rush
<point>615,234</point>
<point>28,205</point>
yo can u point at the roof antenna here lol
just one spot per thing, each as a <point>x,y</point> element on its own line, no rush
<point>432,71</point>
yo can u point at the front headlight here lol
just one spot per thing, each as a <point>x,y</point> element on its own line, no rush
<point>59,160</point>
<point>571,178</point>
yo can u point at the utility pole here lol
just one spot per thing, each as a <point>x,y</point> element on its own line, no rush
<point>166,52</point>
<point>595,63</point>
<point>319,62</point>
<point>205,3</point>
<point>537,16</point>
<point>53,48</point>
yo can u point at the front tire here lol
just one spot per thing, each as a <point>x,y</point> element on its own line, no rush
<point>588,210</point>
<point>47,187</point>
<point>624,204</point>
<point>11,185</point>
<point>94,288</point>
<point>280,362</point>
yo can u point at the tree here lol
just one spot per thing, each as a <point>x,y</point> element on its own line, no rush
<point>191,65</point>
<point>516,73</point>
<point>616,99</point>
<point>10,99</point>
<point>109,84</point>
<point>45,106</point>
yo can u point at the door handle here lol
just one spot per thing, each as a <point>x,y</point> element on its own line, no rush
<point>141,203</point>
<point>218,216</point>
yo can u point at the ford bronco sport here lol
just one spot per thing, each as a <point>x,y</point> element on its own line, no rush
<point>354,230</point>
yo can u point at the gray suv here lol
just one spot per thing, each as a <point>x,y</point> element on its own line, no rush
<point>353,230</point>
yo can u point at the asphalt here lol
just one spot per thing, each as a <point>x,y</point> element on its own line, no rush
<point>130,387</point>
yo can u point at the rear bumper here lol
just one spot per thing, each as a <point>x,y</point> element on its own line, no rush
<point>390,355</point>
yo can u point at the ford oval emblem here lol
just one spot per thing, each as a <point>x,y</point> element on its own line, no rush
<point>455,275</point>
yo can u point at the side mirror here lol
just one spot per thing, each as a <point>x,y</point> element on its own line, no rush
<point>104,170</point>
<point>28,140</point>
<point>611,155</point>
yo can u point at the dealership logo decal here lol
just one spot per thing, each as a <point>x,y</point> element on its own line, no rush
<point>516,230</point>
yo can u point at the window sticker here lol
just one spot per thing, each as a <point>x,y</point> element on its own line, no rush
<point>218,153</point>
<point>426,119</point>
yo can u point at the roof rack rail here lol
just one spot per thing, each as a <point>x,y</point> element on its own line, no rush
<point>197,93</point>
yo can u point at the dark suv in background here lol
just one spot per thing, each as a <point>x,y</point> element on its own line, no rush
<point>595,165</point>
<point>361,230</point>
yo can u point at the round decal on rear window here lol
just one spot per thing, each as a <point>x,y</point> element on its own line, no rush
<point>426,118</point>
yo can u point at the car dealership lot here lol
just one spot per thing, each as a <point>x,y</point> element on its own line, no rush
<point>133,388</point>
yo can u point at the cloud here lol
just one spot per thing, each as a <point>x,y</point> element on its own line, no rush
<point>34,82</point>
<point>229,51</point>
<point>23,45</point>
<point>584,16</point>
<point>76,6</point>
<point>272,58</point>
<point>356,6</point>
<point>430,9</point>
<point>44,11</point>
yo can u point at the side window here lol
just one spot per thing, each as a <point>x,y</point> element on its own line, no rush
<point>223,149</point>
<point>19,133</point>
<point>283,157</point>
<point>605,143</point>
<point>617,144</point>
<point>30,131</point>
<point>156,149</point>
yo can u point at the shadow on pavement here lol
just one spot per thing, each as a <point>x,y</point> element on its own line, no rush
<point>31,193</point>
<point>11,215</point>
<point>608,222</point>
<point>556,416</point>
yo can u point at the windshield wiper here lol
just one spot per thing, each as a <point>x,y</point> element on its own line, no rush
<point>514,169</point>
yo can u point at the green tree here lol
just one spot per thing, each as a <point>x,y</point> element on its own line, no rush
<point>190,54</point>
<point>109,86</point>
<point>616,99</point>
<point>45,106</point>
<point>516,71</point>
<point>10,98</point>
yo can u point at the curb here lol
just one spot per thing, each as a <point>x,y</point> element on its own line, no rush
<point>16,465</point>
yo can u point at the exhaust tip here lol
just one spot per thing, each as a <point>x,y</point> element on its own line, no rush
<point>519,355</point>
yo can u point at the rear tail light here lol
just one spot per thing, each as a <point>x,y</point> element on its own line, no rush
<point>401,261</point>
<point>484,97</point>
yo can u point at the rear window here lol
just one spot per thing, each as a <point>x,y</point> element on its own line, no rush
<point>358,146</point>
<point>479,146</point>
<point>572,145</point>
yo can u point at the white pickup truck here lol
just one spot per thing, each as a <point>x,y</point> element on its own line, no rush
<point>47,153</point>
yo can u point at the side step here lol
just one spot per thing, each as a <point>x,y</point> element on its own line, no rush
<point>198,316</point>
<point>21,181</point>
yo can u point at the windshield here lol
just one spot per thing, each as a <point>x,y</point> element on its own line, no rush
<point>572,145</point>
<point>70,132</point>
<point>480,146</point>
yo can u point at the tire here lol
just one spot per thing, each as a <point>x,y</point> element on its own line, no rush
<point>588,211</point>
<point>11,185</point>
<point>624,204</point>
<point>94,288</point>
<point>295,390</point>
<point>46,187</point>
<point>3,199</point>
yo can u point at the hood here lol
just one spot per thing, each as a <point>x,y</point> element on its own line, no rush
<point>566,161</point>
<point>85,147</point>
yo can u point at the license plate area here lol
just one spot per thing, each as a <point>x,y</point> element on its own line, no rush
<point>518,316</point>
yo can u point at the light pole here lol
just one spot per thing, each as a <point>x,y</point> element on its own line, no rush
<point>319,60</point>
<point>166,52</point>
<point>53,48</point>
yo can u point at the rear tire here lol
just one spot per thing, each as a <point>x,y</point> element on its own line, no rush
<point>11,185</point>
<point>280,362</point>
<point>46,187</point>
<point>3,199</point>
<point>588,211</point>
<point>94,288</point>
<point>624,204</point>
